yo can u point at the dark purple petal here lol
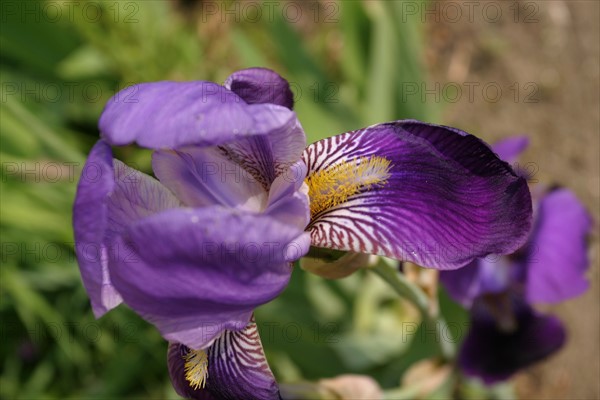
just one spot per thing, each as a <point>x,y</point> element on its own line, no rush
<point>237,369</point>
<point>197,272</point>
<point>261,85</point>
<point>448,199</point>
<point>174,114</point>
<point>557,254</point>
<point>493,354</point>
<point>488,275</point>
<point>90,215</point>
<point>510,148</point>
<point>175,361</point>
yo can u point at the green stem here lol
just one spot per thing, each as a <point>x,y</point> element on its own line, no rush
<point>420,300</point>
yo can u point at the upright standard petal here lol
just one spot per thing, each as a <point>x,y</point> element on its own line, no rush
<point>261,85</point>
<point>493,354</point>
<point>234,367</point>
<point>278,143</point>
<point>510,148</point>
<point>197,272</point>
<point>239,173</point>
<point>557,255</point>
<point>175,114</point>
<point>483,276</point>
<point>90,222</point>
<point>429,194</point>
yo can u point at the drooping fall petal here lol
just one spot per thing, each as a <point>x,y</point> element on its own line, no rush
<point>418,192</point>
<point>235,368</point>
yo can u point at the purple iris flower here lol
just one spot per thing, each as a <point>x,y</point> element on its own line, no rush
<point>239,196</point>
<point>506,333</point>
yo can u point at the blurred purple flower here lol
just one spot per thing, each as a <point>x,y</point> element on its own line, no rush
<point>238,198</point>
<point>506,333</point>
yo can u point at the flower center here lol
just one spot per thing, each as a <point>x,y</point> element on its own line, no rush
<point>196,368</point>
<point>335,184</point>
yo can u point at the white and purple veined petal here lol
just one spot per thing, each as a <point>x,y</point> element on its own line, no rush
<point>233,367</point>
<point>443,198</point>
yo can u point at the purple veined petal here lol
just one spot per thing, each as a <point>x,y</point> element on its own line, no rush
<point>194,273</point>
<point>557,253</point>
<point>176,364</point>
<point>494,355</point>
<point>510,148</point>
<point>174,114</point>
<point>202,177</point>
<point>279,144</point>
<point>237,174</point>
<point>237,369</point>
<point>490,275</point>
<point>447,199</point>
<point>90,222</point>
<point>261,85</point>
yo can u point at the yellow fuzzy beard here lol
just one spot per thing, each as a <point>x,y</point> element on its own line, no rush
<point>334,185</point>
<point>196,368</point>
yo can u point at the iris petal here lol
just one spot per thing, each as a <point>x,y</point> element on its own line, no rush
<point>494,355</point>
<point>90,222</point>
<point>194,273</point>
<point>480,277</point>
<point>260,85</point>
<point>237,368</point>
<point>557,257</point>
<point>265,156</point>
<point>174,114</point>
<point>175,361</point>
<point>202,177</point>
<point>288,198</point>
<point>110,197</point>
<point>239,173</point>
<point>135,196</point>
<point>448,198</point>
<point>510,148</point>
